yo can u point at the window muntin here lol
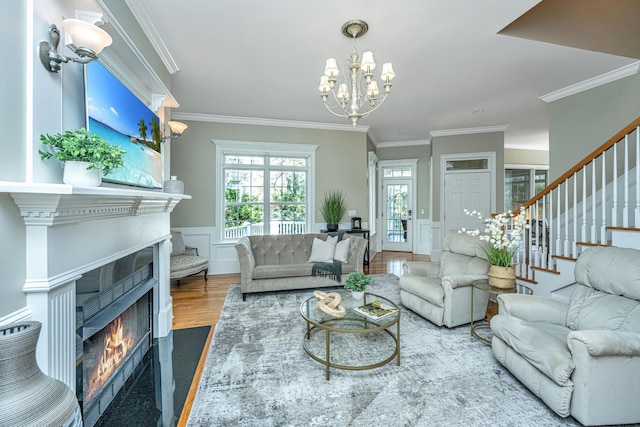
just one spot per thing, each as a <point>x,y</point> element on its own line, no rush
<point>255,205</point>
<point>397,172</point>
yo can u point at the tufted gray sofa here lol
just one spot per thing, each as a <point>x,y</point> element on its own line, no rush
<point>274,263</point>
<point>581,357</point>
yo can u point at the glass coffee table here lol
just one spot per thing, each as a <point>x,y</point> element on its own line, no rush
<point>352,323</point>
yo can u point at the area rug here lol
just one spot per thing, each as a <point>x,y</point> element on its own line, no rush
<point>258,374</point>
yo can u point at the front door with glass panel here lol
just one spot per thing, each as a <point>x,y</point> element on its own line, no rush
<point>396,215</point>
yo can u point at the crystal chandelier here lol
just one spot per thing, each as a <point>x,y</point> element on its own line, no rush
<point>358,96</point>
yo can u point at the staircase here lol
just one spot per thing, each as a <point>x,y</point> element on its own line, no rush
<point>597,202</point>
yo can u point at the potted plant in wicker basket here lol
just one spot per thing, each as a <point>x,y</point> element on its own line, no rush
<point>503,233</point>
<point>86,156</point>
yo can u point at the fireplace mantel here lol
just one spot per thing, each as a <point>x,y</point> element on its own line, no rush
<point>72,230</point>
<point>52,204</point>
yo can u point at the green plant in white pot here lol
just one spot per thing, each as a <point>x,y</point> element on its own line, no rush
<point>86,156</point>
<point>333,207</point>
<point>357,283</point>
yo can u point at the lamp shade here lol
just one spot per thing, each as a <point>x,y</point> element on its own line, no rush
<point>331,68</point>
<point>87,36</point>
<point>324,84</point>
<point>368,64</point>
<point>372,89</point>
<point>387,71</point>
<point>177,127</point>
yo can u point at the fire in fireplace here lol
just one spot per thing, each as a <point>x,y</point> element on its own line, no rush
<point>115,321</point>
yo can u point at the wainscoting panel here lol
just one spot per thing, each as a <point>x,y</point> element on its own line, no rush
<point>423,237</point>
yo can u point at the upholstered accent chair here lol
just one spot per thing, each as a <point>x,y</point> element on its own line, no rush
<point>185,260</point>
<point>441,291</point>
<point>581,357</point>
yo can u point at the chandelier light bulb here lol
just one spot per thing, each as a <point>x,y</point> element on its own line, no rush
<point>373,90</point>
<point>324,84</point>
<point>343,92</point>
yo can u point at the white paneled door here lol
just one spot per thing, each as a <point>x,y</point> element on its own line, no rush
<point>466,190</point>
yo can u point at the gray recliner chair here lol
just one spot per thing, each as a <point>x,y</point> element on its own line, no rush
<point>441,291</point>
<point>581,357</point>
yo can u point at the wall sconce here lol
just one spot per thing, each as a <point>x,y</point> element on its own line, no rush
<point>176,129</point>
<point>88,40</point>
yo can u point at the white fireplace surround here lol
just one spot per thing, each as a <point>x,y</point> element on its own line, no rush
<point>73,230</point>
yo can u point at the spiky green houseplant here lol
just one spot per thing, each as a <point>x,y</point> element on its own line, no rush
<point>80,145</point>
<point>333,208</point>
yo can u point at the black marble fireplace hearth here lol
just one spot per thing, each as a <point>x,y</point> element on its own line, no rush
<point>147,398</point>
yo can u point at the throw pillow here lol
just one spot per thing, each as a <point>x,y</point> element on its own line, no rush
<point>342,250</point>
<point>322,251</point>
<point>177,244</point>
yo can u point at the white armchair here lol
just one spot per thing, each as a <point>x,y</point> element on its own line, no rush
<point>581,357</point>
<point>185,260</point>
<point>441,291</point>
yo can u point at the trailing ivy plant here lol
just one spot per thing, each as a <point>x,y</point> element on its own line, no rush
<point>82,146</point>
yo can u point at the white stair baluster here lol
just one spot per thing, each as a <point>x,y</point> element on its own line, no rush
<point>574,248</point>
<point>566,219</point>
<point>583,236</point>
<point>636,222</point>
<point>625,209</point>
<point>614,188</point>
<point>603,227</point>
<point>593,196</point>
<point>559,250</point>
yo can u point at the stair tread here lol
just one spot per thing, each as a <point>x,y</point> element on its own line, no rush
<point>608,244</point>
<point>533,267</point>
<point>524,279</point>
<point>568,258</point>
<point>611,227</point>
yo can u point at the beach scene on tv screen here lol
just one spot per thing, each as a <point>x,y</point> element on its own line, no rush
<point>117,115</point>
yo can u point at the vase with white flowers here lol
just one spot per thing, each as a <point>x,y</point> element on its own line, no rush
<point>503,233</point>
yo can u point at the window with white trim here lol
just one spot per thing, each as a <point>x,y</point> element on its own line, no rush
<point>264,190</point>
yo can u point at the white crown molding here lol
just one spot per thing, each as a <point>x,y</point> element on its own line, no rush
<point>392,144</point>
<point>198,117</point>
<point>468,131</point>
<point>611,76</point>
<point>141,14</point>
<point>114,64</point>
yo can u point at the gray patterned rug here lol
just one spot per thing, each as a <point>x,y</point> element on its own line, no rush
<point>257,374</point>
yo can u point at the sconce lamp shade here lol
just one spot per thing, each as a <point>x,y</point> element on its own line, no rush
<point>87,36</point>
<point>177,127</point>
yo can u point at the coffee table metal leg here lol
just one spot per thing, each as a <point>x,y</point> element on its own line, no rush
<point>327,352</point>
<point>398,339</point>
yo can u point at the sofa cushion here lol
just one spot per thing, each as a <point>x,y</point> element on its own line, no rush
<point>342,250</point>
<point>544,345</point>
<point>186,263</point>
<point>427,288</point>
<point>593,309</point>
<point>323,250</point>
<point>453,264</point>
<point>612,270</point>
<point>285,270</point>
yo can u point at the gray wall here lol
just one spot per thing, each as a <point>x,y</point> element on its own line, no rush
<point>581,123</point>
<point>526,157</point>
<point>423,154</point>
<point>476,143</point>
<point>341,163</point>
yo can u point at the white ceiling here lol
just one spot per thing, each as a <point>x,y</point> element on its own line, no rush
<point>263,59</point>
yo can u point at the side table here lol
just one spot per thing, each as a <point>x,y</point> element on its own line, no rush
<point>365,235</point>
<point>483,286</point>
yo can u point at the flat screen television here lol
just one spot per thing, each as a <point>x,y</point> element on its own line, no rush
<point>117,115</point>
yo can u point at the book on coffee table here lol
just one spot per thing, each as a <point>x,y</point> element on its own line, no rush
<point>376,310</point>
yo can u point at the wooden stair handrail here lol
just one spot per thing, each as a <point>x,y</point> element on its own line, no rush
<point>582,163</point>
